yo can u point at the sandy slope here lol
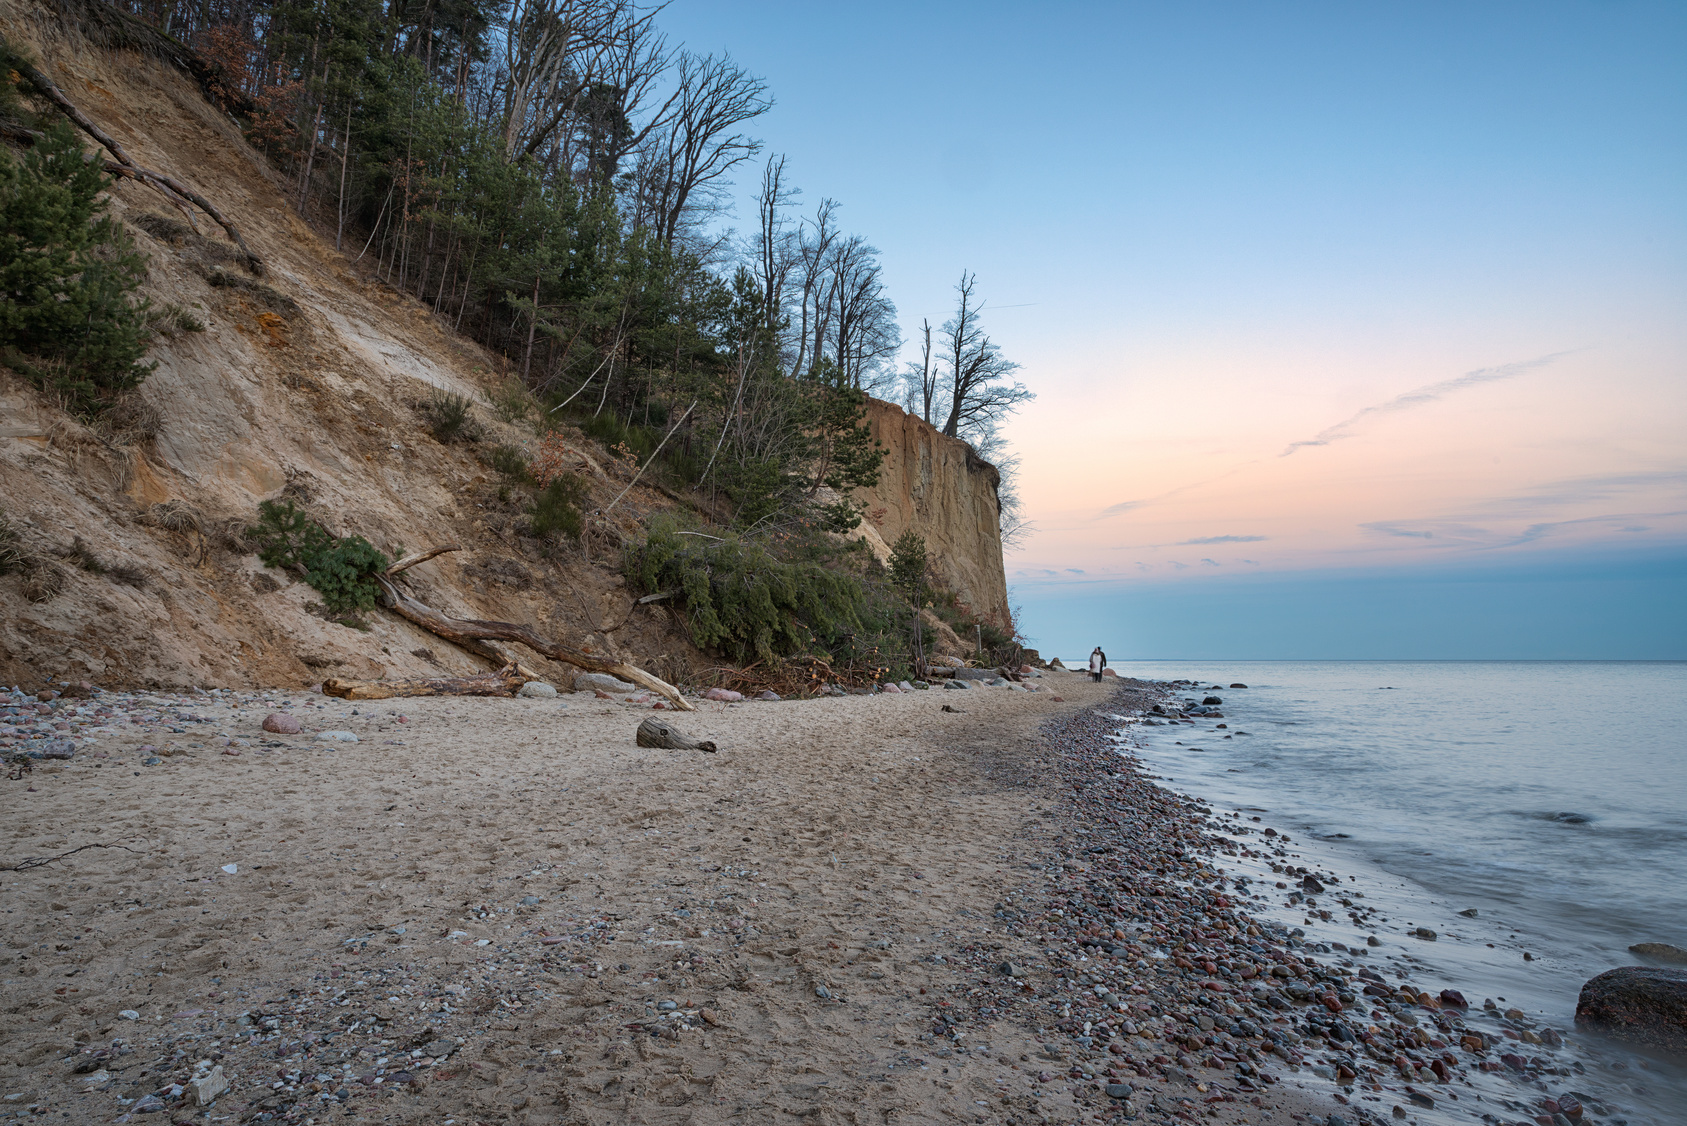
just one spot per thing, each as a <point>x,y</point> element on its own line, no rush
<point>834,845</point>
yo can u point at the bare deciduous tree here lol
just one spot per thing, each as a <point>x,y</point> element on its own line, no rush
<point>685,164</point>
<point>775,252</point>
<point>550,58</point>
<point>981,384</point>
<point>922,377</point>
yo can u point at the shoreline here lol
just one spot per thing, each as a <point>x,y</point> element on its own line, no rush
<point>504,911</point>
<point>1526,1062</point>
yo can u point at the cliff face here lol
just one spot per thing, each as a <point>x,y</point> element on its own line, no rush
<point>945,492</point>
<point>311,383</point>
<point>307,384</point>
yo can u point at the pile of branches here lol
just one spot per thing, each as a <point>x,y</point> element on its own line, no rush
<point>791,676</point>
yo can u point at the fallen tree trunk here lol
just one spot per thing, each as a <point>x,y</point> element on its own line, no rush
<point>505,682</point>
<point>126,166</point>
<point>471,633</point>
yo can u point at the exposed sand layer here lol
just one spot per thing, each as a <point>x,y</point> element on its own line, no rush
<point>505,911</point>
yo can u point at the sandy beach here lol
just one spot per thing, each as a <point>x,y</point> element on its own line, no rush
<point>503,911</point>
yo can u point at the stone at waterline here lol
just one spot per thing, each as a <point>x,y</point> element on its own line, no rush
<point>1661,951</point>
<point>1642,1004</point>
<point>1238,686</point>
<point>1211,702</point>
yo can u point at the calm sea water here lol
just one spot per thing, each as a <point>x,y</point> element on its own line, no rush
<point>1549,796</point>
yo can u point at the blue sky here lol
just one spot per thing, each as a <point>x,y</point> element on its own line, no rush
<point>1443,242</point>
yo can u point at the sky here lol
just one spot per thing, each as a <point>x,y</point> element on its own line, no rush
<point>1357,331</point>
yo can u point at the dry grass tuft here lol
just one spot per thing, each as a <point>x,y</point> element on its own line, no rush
<point>44,582</point>
<point>175,516</point>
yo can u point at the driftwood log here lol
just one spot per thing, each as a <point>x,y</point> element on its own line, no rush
<point>663,735</point>
<point>505,682</point>
<point>472,634</point>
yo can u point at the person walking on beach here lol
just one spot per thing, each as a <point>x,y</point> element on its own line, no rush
<point>1098,661</point>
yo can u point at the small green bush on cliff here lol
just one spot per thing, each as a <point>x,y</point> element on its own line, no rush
<point>340,568</point>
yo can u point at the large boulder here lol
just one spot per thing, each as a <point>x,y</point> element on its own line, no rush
<point>1643,1004</point>
<point>1661,951</point>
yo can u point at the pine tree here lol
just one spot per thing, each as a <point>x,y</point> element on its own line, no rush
<point>68,273</point>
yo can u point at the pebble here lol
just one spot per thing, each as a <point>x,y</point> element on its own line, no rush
<point>281,724</point>
<point>726,695</point>
<point>537,690</point>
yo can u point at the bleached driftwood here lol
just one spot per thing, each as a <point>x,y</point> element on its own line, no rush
<point>505,682</point>
<point>661,734</point>
<point>473,633</point>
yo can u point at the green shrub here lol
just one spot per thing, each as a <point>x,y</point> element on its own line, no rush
<point>610,431</point>
<point>510,400</point>
<point>908,564</point>
<point>743,600</point>
<point>452,418</point>
<point>510,462</point>
<point>341,569</point>
<point>556,507</point>
<point>68,274</point>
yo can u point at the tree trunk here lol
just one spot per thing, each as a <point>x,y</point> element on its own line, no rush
<point>504,682</point>
<point>467,630</point>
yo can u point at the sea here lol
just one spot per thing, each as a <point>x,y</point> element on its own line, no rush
<point>1549,798</point>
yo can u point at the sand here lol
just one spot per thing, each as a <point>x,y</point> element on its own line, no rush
<point>490,906</point>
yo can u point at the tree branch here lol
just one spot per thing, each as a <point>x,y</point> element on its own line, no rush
<point>126,165</point>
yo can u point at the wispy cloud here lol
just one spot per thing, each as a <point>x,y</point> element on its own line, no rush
<point>1209,563</point>
<point>1122,506</point>
<point>1429,393</point>
<point>1199,540</point>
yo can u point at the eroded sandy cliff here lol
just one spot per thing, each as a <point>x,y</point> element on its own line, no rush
<point>308,383</point>
<point>945,492</point>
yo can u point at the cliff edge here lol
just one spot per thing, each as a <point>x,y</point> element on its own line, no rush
<point>940,488</point>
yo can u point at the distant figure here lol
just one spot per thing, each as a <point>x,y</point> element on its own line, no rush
<point>1098,661</point>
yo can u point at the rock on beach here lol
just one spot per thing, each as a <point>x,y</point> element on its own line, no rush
<point>1642,1004</point>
